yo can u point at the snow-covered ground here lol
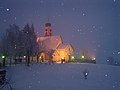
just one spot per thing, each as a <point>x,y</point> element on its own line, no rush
<point>64,77</point>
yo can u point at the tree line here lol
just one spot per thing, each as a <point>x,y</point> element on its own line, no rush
<point>19,43</point>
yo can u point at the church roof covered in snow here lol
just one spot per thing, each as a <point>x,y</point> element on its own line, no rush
<point>62,46</point>
<point>51,42</point>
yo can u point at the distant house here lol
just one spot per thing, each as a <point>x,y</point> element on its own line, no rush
<point>52,47</point>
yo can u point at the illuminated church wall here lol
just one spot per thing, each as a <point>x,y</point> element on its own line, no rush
<point>52,48</point>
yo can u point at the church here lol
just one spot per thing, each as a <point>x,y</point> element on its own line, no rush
<point>52,48</point>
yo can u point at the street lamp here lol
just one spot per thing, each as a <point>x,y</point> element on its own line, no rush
<point>72,57</point>
<point>93,58</point>
<point>24,56</point>
<point>83,57</point>
<point>3,57</point>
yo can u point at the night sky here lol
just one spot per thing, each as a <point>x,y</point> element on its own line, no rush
<point>93,25</point>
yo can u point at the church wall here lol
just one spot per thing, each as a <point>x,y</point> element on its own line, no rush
<point>48,41</point>
<point>60,54</point>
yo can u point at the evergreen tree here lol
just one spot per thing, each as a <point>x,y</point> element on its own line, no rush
<point>30,43</point>
<point>10,43</point>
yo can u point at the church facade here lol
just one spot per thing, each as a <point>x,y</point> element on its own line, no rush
<point>52,47</point>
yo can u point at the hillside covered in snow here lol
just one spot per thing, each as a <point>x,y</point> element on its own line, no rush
<point>67,76</point>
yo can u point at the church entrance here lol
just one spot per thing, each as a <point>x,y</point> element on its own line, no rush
<point>42,57</point>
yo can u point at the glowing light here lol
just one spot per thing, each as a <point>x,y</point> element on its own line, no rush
<point>24,56</point>
<point>62,58</point>
<point>93,58</point>
<point>83,57</point>
<point>58,62</point>
<point>72,57</point>
<point>86,73</point>
<point>40,57</point>
<point>3,56</point>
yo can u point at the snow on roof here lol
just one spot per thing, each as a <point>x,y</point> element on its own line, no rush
<point>51,42</point>
<point>63,46</point>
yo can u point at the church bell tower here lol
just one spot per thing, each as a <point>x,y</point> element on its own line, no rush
<point>47,30</point>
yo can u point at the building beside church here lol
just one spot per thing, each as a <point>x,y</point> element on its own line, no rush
<point>52,47</point>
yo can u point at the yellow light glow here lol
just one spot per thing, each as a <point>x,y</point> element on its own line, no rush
<point>83,57</point>
<point>72,57</point>
<point>62,57</point>
<point>58,62</point>
<point>40,57</point>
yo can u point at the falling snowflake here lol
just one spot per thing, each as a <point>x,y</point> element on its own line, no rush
<point>4,20</point>
<point>113,86</point>
<point>106,75</point>
<point>62,4</point>
<point>29,86</point>
<point>83,14</point>
<point>98,45</point>
<point>114,0</point>
<point>93,26</point>
<point>119,52</point>
<point>7,9</point>
<point>78,30</point>
<point>15,18</point>
<point>73,9</point>
<point>59,15</point>
<point>38,81</point>
<point>54,16</point>
<point>91,31</point>
<point>41,1</point>
<point>113,52</point>
<point>101,27</point>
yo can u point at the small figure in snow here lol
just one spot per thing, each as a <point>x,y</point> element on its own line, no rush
<point>85,73</point>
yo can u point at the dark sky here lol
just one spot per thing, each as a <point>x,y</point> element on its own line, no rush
<point>93,25</point>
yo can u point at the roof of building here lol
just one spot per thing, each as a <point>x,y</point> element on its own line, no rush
<point>51,42</point>
<point>48,24</point>
<point>63,46</point>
